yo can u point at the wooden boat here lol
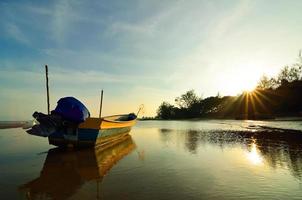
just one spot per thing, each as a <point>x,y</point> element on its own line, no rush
<point>70,123</point>
<point>65,172</point>
<point>94,131</point>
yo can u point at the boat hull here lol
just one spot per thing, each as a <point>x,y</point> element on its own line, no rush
<point>92,132</point>
<point>86,137</point>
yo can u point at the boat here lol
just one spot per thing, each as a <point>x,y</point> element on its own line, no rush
<point>65,172</point>
<point>70,124</point>
<point>95,131</point>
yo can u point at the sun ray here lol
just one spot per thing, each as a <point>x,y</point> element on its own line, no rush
<point>263,96</point>
<point>246,105</point>
<point>251,95</point>
<point>258,100</point>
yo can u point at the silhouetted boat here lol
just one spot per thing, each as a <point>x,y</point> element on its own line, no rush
<point>64,172</point>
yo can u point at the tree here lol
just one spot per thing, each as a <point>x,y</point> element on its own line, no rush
<point>166,111</point>
<point>267,83</point>
<point>187,100</point>
<point>210,105</point>
<point>289,74</point>
<point>298,64</point>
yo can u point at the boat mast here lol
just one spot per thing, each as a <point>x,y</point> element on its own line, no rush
<point>101,104</point>
<point>47,89</point>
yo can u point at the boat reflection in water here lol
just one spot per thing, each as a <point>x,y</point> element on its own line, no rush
<point>64,172</point>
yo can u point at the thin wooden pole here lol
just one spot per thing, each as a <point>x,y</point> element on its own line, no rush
<point>101,104</point>
<point>141,107</point>
<point>47,88</point>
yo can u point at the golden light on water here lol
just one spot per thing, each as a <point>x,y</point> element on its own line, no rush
<point>254,156</point>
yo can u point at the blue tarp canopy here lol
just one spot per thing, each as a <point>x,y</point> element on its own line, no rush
<point>72,109</point>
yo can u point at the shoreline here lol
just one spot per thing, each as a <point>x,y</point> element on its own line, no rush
<point>204,118</point>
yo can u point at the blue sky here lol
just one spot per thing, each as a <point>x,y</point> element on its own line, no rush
<point>140,51</point>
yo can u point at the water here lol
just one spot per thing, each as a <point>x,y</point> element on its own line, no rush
<point>215,159</point>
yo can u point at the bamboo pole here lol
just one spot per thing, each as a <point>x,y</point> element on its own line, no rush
<point>141,107</point>
<point>47,89</point>
<point>101,104</point>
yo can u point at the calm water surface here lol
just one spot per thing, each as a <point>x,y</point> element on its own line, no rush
<point>160,160</point>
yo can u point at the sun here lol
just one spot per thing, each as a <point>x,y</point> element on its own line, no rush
<point>249,87</point>
<point>241,83</point>
<point>245,79</point>
<point>241,77</point>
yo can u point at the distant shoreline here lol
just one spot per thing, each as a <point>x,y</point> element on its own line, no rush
<point>204,118</point>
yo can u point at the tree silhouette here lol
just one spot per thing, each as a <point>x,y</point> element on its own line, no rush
<point>187,100</point>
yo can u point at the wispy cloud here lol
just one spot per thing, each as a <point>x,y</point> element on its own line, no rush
<point>14,32</point>
<point>147,25</point>
<point>61,19</point>
<point>63,76</point>
<point>228,22</point>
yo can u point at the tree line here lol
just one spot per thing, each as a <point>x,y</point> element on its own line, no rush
<point>273,97</point>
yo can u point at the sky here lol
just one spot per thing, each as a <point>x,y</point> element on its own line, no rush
<point>139,52</point>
